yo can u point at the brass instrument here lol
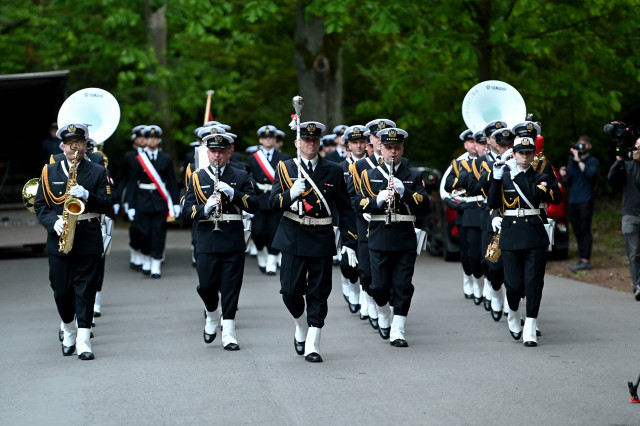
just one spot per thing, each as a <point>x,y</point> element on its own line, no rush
<point>29,193</point>
<point>217,211</point>
<point>493,251</point>
<point>73,207</point>
<point>387,221</point>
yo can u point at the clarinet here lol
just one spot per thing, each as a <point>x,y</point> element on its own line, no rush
<point>387,222</point>
<point>217,212</point>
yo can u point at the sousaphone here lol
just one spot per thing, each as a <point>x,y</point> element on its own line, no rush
<point>492,100</point>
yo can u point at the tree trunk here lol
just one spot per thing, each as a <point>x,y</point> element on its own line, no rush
<point>318,58</point>
<point>158,95</point>
<point>483,45</point>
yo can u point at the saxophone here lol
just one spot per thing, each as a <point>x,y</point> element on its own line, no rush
<point>73,207</point>
<point>493,251</point>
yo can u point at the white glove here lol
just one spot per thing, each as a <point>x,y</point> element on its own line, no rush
<point>58,226</point>
<point>366,217</point>
<point>126,207</point>
<point>507,153</point>
<point>225,189</point>
<point>116,208</point>
<point>297,189</point>
<point>382,197</point>
<point>398,186</point>
<point>211,203</point>
<point>177,209</point>
<point>498,170</point>
<point>496,224</point>
<point>79,192</point>
<point>513,165</point>
<point>131,213</point>
<point>352,259</point>
<point>294,207</point>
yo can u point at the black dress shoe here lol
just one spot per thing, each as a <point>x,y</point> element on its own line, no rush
<point>155,275</point>
<point>477,300</point>
<point>133,266</point>
<point>86,356</point>
<point>313,357</point>
<point>353,308</point>
<point>373,322</point>
<point>399,343</point>
<point>91,335</point>
<point>208,338</point>
<point>364,317</point>
<point>138,268</point>
<point>61,335</point>
<point>68,350</point>
<point>345,297</point>
<point>97,314</point>
<point>468,296</point>
<point>193,264</point>
<point>538,333</point>
<point>496,315</point>
<point>146,272</point>
<point>384,332</point>
<point>530,344</point>
<point>271,273</point>
<point>516,336</point>
<point>232,347</point>
<point>299,346</point>
<point>487,305</point>
<point>263,269</point>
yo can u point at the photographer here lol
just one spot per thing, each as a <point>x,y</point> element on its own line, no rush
<point>580,174</point>
<point>623,174</point>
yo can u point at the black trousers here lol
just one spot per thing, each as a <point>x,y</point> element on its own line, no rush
<point>306,277</point>
<point>364,265</point>
<point>580,216</point>
<point>135,236</point>
<point>474,250</point>
<point>263,229</point>
<point>349,272</point>
<point>103,259</point>
<point>153,229</point>
<point>494,271</point>
<point>463,242</point>
<point>220,272</point>
<point>74,280</point>
<point>524,276</point>
<point>393,271</point>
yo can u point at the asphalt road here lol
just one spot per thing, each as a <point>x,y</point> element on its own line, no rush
<point>152,366</point>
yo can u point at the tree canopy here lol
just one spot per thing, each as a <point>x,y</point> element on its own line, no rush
<point>575,63</point>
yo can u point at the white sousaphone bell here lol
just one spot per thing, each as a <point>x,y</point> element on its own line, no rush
<point>492,100</point>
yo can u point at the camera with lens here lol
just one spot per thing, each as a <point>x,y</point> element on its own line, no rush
<point>623,137</point>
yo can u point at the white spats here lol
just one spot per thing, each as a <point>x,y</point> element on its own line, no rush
<point>97,303</point>
<point>486,289</point>
<point>513,320</point>
<point>312,344</point>
<point>346,287</point>
<point>372,307</point>
<point>272,264</point>
<point>384,316</point>
<point>82,342</point>
<point>155,266</point>
<point>467,284</point>
<point>529,333</point>
<point>364,303</point>
<point>301,329</point>
<point>146,263</point>
<point>354,297</point>
<point>212,322</point>
<point>478,286</point>
<point>262,258</point>
<point>397,327</point>
<point>497,300</point>
<point>228,332</point>
<point>70,332</point>
<point>135,257</point>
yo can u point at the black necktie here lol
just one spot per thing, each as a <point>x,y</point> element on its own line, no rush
<point>268,156</point>
<point>310,167</point>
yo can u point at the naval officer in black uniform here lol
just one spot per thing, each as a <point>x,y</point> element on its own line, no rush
<point>305,235</point>
<point>263,163</point>
<point>148,207</point>
<point>392,198</point>
<point>215,199</point>
<point>74,276</point>
<point>517,189</point>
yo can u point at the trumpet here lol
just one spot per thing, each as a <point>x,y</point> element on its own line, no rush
<point>217,213</point>
<point>390,195</point>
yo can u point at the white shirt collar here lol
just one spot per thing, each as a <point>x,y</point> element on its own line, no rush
<point>314,161</point>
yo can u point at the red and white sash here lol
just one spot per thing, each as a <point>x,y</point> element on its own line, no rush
<point>265,165</point>
<point>155,178</point>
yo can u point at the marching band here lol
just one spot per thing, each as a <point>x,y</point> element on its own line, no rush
<point>359,204</point>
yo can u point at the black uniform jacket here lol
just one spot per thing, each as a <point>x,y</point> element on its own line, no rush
<point>95,158</point>
<point>353,186</point>
<point>519,233</point>
<point>151,201</point>
<point>50,199</point>
<point>460,179</point>
<point>201,187</point>
<point>260,177</point>
<point>401,236</point>
<point>313,240</point>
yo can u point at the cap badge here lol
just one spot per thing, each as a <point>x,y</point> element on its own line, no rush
<point>498,125</point>
<point>392,133</point>
<point>529,126</point>
<point>214,131</point>
<point>218,138</point>
<point>71,128</point>
<point>382,125</point>
<point>505,133</point>
<point>311,128</point>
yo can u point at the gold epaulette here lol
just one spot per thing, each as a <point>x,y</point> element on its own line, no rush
<point>48,195</point>
<point>200,197</point>
<point>366,184</point>
<point>283,174</point>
